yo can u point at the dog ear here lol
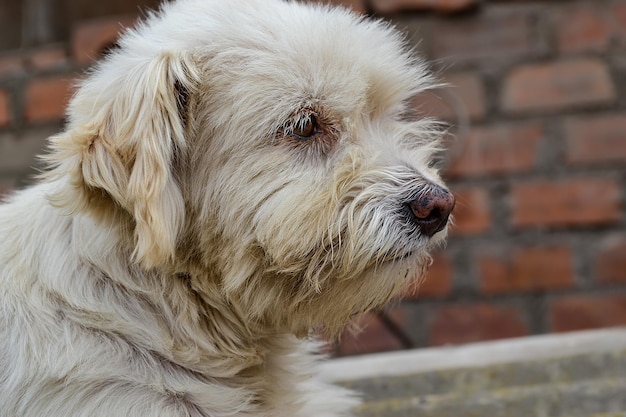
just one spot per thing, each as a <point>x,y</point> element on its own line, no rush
<point>126,127</point>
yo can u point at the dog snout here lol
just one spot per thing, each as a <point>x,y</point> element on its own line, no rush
<point>431,209</point>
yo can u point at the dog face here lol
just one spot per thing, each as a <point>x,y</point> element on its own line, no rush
<point>263,147</point>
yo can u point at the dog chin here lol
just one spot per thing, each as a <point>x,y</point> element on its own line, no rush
<point>416,262</point>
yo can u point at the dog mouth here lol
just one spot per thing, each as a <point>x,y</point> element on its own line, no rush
<point>394,256</point>
<point>404,257</point>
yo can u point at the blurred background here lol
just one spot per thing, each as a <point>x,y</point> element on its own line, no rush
<point>537,100</point>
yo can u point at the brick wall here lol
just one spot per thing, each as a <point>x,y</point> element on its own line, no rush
<point>538,165</point>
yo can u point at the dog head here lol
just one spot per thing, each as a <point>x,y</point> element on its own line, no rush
<point>264,145</point>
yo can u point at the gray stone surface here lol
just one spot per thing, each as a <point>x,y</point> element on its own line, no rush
<point>589,381</point>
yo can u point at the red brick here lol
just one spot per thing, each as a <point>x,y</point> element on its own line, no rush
<point>610,262</point>
<point>46,58</point>
<point>436,283</point>
<point>463,97</point>
<point>558,86</point>
<point>4,191</point>
<point>370,334</point>
<point>5,109</point>
<point>618,14</point>
<point>597,139</point>
<point>46,99</point>
<point>498,149</point>
<point>527,269</point>
<point>444,6</point>
<point>11,64</point>
<point>472,213</point>
<point>492,37</point>
<point>6,186</point>
<point>463,323</point>
<point>90,39</point>
<point>587,312</point>
<point>582,29</point>
<point>572,202</point>
<point>356,5</point>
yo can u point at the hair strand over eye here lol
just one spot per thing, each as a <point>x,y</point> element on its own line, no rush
<point>305,126</point>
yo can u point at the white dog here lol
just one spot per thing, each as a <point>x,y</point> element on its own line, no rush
<point>236,174</point>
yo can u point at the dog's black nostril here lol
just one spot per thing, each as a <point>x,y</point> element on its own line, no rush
<point>432,209</point>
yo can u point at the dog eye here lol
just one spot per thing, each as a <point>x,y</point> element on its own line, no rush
<point>305,127</point>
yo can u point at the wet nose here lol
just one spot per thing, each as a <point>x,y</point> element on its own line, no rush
<point>432,209</point>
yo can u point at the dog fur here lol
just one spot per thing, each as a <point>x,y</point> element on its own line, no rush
<point>189,234</point>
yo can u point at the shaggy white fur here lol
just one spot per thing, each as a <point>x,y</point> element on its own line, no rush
<point>236,174</point>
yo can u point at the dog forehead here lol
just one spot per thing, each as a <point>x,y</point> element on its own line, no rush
<point>292,49</point>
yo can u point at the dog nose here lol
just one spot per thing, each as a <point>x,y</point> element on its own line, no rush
<point>432,209</point>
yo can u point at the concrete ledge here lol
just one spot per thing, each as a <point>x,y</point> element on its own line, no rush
<point>475,355</point>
